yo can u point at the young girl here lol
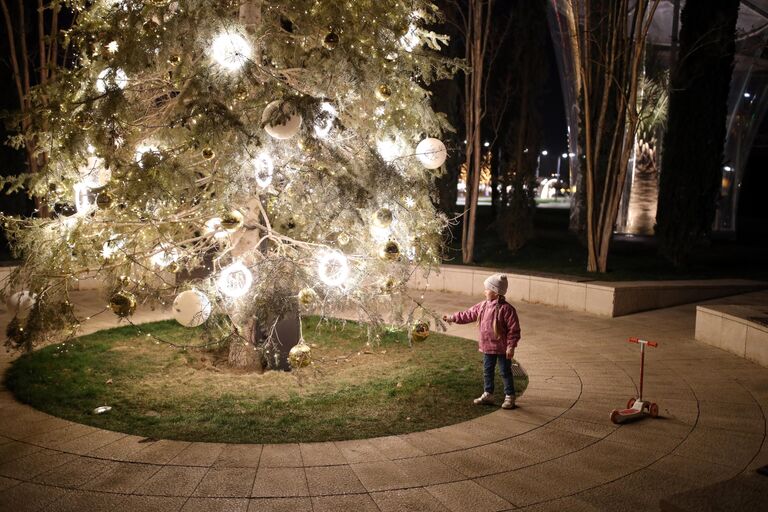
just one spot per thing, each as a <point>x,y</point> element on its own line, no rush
<point>499,334</point>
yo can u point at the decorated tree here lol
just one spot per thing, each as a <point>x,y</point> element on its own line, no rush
<point>242,161</point>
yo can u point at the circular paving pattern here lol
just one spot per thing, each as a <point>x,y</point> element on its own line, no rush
<point>557,451</point>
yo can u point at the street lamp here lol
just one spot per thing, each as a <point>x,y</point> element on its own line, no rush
<point>562,157</point>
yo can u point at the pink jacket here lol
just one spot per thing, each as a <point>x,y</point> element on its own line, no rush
<point>507,325</point>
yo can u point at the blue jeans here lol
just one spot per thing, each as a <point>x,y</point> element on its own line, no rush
<point>505,370</point>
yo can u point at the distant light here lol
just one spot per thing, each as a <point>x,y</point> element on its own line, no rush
<point>747,95</point>
<point>564,155</point>
<point>727,168</point>
<point>465,141</point>
<point>545,152</point>
<point>571,155</point>
<point>486,144</point>
<point>525,150</point>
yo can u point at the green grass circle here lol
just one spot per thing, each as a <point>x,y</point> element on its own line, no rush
<point>353,390</point>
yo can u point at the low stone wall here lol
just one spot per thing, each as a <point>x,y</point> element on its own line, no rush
<point>734,328</point>
<point>602,298</point>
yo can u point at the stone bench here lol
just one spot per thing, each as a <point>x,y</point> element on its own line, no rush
<point>739,329</point>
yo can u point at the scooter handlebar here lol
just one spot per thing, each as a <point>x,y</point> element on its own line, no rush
<point>634,339</point>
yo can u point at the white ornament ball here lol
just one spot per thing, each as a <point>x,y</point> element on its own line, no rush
<point>286,130</point>
<point>231,50</point>
<point>191,308</point>
<point>431,153</point>
<point>20,304</point>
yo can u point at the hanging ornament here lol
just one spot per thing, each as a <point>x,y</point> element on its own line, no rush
<point>342,238</point>
<point>111,80</point>
<point>420,331</point>
<point>14,331</point>
<point>112,247</point>
<point>174,60</point>
<point>390,251</point>
<point>300,355</point>
<point>64,208</point>
<point>122,303</point>
<point>289,124</point>
<point>82,198</point>
<point>20,304</point>
<point>263,170</point>
<point>324,121</point>
<point>231,221</point>
<point>208,153</point>
<point>147,156</point>
<point>213,227</point>
<point>191,308</point>
<point>383,218</point>
<point>383,92</point>
<point>104,200</point>
<point>307,296</point>
<point>331,40</point>
<point>388,284</point>
<point>164,257</point>
<point>333,268</point>
<point>235,280</point>
<point>431,153</point>
<point>230,50</point>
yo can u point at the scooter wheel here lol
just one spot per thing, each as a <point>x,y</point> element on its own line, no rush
<point>653,410</point>
<point>630,403</point>
<point>615,416</point>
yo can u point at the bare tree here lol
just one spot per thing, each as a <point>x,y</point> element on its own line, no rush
<point>608,41</point>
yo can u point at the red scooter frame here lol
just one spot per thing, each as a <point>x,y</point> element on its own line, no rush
<point>637,407</point>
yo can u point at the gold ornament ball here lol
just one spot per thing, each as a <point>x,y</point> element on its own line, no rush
<point>383,92</point>
<point>174,60</point>
<point>343,238</point>
<point>383,217</point>
<point>331,40</point>
<point>123,304</point>
<point>208,153</point>
<point>307,296</point>
<point>390,251</point>
<point>104,200</point>
<point>300,355</point>
<point>232,221</point>
<point>388,284</point>
<point>15,332</point>
<point>420,331</point>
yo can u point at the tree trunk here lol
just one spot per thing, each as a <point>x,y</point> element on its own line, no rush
<point>243,355</point>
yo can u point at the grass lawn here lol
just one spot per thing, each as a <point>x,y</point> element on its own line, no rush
<point>351,390</point>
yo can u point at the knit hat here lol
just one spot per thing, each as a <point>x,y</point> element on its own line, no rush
<point>497,283</point>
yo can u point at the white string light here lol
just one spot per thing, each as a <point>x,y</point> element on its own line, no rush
<point>235,280</point>
<point>263,169</point>
<point>231,50</point>
<point>111,79</point>
<point>333,268</point>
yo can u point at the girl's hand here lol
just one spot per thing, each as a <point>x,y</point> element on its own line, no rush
<point>447,318</point>
<point>510,352</point>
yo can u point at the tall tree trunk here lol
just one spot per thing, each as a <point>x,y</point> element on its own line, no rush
<point>693,143</point>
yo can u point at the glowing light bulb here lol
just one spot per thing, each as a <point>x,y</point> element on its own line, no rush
<point>110,79</point>
<point>231,50</point>
<point>325,119</point>
<point>333,268</point>
<point>263,170</point>
<point>235,280</point>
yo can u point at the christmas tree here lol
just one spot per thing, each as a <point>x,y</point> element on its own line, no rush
<point>243,161</point>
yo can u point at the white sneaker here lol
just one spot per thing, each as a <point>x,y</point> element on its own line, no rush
<point>509,402</point>
<point>485,399</point>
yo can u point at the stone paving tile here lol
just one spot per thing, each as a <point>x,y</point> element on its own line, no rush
<point>587,428</point>
<point>122,477</point>
<point>280,482</point>
<point>86,443</point>
<point>29,497</point>
<point>546,443</point>
<point>240,456</point>
<point>198,454</point>
<point>321,454</point>
<point>152,504</point>
<point>467,495</point>
<point>407,500</point>
<point>122,449</point>
<point>378,476</point>
<point>427,470</point>
<point>77,501</point>
<point>158,452</point>
<point>215,505</point>
<point>505,456</point>
<point>32,465</point>
<point>16,450</point>
<point>76,473</point>
<point>55,438</point>
<point>359,451</point>
<point>431,443</point>
<point>280,505</point>
<point>348,503</point>
<point>641,490</point>
<point>5,483</point>
<point>394,447</point>
<point>730,416</point>
<point>227,482</point>
<point>725,447</point>
<point>332,480</point>
<point>571,504</point>
<point>281,455</point>
<point>173,481</point>
<point>693,470</point>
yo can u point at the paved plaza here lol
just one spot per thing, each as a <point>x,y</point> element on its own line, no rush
<point>556,451</point>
